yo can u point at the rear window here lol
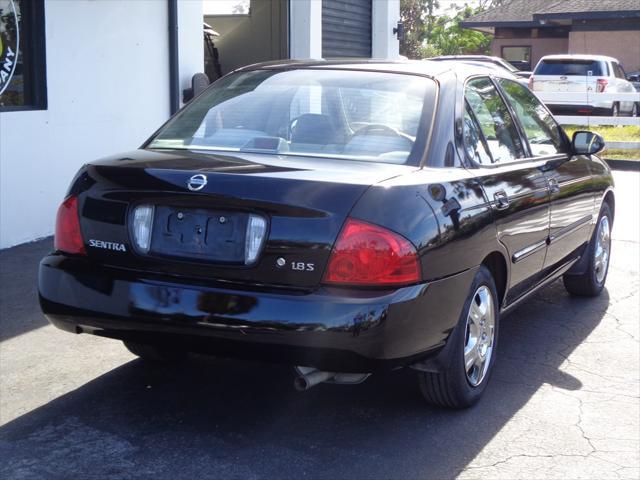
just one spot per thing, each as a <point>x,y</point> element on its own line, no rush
<point>571,68</point>
<point>368,116</point>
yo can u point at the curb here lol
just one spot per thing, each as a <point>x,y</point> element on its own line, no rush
<point>629,165</point>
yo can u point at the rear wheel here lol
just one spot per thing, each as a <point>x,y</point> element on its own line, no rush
<point>156,353</point>
<point>475,339</point>
<point>615,110</point>
<point>635,110</point>
<point>591,282</point>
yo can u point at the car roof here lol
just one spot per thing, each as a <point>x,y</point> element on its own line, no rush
<point>600,58</point>
<point>428,68</point>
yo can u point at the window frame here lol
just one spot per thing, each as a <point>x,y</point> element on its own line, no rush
<point>522,130</point>
<point>521,161</point>
<point>34,42</point>
<point>525,143</point>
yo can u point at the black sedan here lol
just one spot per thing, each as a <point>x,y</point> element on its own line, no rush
<point>339,217</point>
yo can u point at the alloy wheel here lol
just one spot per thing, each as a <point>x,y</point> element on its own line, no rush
<point>480,336</point>
<point>603,248</point>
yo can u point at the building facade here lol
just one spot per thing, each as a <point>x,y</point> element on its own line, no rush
<point>526,30</point>
<point>82,79</point>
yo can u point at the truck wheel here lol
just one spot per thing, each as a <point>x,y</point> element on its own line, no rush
<point>463,382</point>
<point>591,282</point>
<point>155,353</point>
<point>615,110</point>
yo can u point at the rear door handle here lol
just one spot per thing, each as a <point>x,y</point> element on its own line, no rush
<point>502,201</point>
<point>553,185</point>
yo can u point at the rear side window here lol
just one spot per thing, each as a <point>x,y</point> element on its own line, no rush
<point>541,129</point>
<point>474,143</point>
<point>571,68</point>
<point>498,129</point>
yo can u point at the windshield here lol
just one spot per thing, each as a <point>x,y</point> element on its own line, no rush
<point>356,115</point>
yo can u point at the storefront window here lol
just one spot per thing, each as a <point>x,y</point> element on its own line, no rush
<point>519,57</point>
<point>22,68</point>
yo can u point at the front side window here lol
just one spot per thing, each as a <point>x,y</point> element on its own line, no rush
<point>366,116</point>
<point>495,121</point>
<point>542,131</point>
<point>22,68</point>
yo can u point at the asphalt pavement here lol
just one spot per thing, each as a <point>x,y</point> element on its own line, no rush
<point>563,402</point>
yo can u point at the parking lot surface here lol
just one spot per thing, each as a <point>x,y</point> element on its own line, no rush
<point>563,401</point>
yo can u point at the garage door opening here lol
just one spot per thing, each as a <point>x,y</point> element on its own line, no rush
<point>246,32</point>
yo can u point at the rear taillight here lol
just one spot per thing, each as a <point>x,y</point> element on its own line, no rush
<point>601,85</point>
<point>531,82</point>
<point>368,255</point>
<point>68,237</point>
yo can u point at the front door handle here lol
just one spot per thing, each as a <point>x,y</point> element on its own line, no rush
<point>502,201</point>
<point>553,185</point>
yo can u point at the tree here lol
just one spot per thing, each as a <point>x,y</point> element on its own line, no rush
<point>487,4</point>
<point>411,15</point>
<point>431,6</point>
<point>449,38</point>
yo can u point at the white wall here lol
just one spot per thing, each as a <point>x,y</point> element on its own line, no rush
<point>108,90</point>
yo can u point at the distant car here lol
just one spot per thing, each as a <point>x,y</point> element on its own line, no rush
<point>340,217</point>
<point>634,78</point>
<point>586,74</point>
<point>486,59</point>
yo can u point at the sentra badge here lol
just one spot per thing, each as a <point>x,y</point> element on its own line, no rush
<point>117,247</point>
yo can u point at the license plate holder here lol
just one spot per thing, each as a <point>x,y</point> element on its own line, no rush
<point>199,234</point>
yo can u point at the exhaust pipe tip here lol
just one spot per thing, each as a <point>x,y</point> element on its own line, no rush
<point>301,384</point>
<point>311,378</point>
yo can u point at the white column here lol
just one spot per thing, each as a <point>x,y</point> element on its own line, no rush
<point>190,41</point>
<point>384,43</point>
<point>305,29</point>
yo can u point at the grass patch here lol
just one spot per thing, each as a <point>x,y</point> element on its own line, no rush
<point>610,133</point>
<point>617,154</point>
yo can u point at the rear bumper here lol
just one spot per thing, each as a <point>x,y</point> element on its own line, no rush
<point>330,328</point>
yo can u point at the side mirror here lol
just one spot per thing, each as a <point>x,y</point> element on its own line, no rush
<point>587,143</point>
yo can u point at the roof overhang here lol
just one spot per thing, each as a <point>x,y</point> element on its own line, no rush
<point>600,15</point>
<point>489,27</point>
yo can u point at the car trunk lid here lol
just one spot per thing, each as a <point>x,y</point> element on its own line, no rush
<point>203,204</point>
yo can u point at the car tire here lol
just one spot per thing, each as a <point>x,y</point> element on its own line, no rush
<point>635,111</point>
<point>459,386</point>
<point>155,353</point>
<point>615,110</point>
<point>591,282</point>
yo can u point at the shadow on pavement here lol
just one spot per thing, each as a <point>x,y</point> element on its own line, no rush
<point>19,309</point>
<point>221,418</point>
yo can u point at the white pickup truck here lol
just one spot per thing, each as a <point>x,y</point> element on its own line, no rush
<point>590,75</point>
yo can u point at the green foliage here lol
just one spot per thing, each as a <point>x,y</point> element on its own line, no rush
<point>449,38</point>
<point>411,15</point>
<point>428,35</point>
